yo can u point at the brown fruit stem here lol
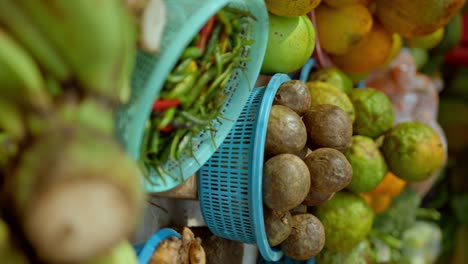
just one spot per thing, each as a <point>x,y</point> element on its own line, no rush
<point>75,194</point>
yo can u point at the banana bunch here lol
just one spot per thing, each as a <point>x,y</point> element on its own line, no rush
<point>64,179</point>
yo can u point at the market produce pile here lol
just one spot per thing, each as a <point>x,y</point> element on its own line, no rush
<point>350,152</point>
<point>364,124</point>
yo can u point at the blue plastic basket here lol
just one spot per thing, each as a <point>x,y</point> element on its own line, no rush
<point>185,18</point>
<point>230,183</point>
<point>146,250</point>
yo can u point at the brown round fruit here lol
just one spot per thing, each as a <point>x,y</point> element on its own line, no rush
<point>286,182</point>
<point>278,226</point>
<point>286,133</point>
<point>295,95</point>
<point>328,126</point>
<point>329,170</point>
<point>315,198</point>
<point>306,239</point>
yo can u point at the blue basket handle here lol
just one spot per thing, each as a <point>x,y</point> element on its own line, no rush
<point>305,71</point>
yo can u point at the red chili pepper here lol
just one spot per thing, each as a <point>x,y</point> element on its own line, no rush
<point>166,129</point>
<point>163,104</point>
<point>205,33</point>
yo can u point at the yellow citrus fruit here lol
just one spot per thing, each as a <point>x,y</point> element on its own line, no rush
<point>416,18</point>
<point>341,28</point>
<point>391,185</point>
<point>369,54</point>
<point>339,3</point>
<point>396,47</point>
<point>426,42</point>
<point>291,8</point>
<point>378,203</point>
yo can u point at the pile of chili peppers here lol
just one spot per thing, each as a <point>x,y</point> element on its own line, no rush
<point>193,94</point>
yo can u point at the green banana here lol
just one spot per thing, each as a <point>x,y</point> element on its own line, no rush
<point>20,78</point>
<point>20,26</point>
<point>86,34</point>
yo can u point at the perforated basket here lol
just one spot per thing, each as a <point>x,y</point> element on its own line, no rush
<point>230,183</point>
<point>185,18</point>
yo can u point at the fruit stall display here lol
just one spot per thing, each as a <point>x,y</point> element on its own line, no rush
<point>320,131</point>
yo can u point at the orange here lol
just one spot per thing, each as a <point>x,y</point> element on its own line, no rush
<point>378,203</point>
<point>291,8</point>
<point>369,54</point>
<point>391,185</point>
<point>341,28</point>
<point>416,18</point>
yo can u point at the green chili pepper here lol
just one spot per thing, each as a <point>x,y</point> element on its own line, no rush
<point>182,65</point>
<point>198,87</point>
<point>191,53</point>
<point>194,119</point>
<point>167,117</point>
<point>212,42</point>
<point>215,84</point>
<point>224,19</point>
<point>174,143</point>
<point>182,87</point>
<point>219,65</point>
<point>153,146</point>
<point>184,144</point>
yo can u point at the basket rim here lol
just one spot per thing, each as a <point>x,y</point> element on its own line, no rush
<point>256,197</point>
<point>147,249</point>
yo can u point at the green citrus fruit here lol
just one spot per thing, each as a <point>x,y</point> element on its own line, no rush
<point>334,76</point>
<point>291,42</point>
<point>347,220</point>
<point>413,151</point>
<point>360,254</point>
<point>369,167</point>
<point>327,93</point>
<point>374,112</point>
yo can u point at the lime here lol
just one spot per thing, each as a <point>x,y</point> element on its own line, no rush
<point>413,151</point>
<point>360,254</point>
<point>327,93</point>
<point>347,220</point>
<point>374,112</point>
<point>369,167</point>
<point>291,42</point>
<point>334,76</point>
